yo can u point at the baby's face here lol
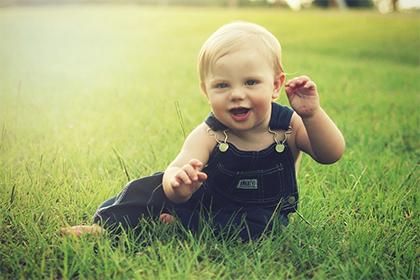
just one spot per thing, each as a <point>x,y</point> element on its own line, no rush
<point>240,87</point>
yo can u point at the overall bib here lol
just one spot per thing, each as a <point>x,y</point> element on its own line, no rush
<point>246,189</point>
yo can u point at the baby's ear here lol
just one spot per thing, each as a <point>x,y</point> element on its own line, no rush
<point>277,84</point>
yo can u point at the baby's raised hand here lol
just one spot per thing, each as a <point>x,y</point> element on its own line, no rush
<point>188,179</point>
<point>303,96</point>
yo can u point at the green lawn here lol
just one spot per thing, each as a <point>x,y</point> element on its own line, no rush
<point>83,89</point>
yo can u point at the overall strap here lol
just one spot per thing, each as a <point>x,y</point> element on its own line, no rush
<point>214,123</point>
<point>280,118</point>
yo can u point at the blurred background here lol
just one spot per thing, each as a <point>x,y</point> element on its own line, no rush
<point>95,93</point>
<point>384,6</point>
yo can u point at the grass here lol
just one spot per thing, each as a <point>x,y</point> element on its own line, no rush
<point>87,90</point>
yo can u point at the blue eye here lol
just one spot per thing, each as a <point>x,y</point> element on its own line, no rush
<point>251,82</point>
<point>221,85</point>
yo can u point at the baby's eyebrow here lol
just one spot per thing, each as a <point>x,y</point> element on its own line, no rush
<point>254,77</point>
<point>218,80</point>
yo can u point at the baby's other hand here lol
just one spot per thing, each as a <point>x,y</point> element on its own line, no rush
<point>303,96</point>
<point>188,179</point>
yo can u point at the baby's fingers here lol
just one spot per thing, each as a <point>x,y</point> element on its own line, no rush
<point>180,178</point>
<point>201,176</point>
<point>298,81</point>
<point>175,183</point>
<point>191,172</point>
<point>310,85</point>
<point>196,163</point>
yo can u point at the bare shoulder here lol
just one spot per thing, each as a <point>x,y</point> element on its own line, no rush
<point>296,124</point>
<point>198,145</point>
<point>201,138</point>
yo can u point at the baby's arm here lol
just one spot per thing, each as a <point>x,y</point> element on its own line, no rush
<point>316,133</point>
<point>183,176</point>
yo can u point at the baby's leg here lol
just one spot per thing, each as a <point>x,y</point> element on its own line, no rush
<point>96,230</point>
<point>78,231</point>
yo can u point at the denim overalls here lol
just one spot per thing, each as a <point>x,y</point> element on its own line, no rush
<point>243,189</point>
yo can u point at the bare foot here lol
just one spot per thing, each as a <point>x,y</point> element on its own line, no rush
<point>82,230</point>
<point>166,218</point>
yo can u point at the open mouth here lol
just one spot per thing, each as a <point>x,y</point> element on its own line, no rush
<point>240,114</point>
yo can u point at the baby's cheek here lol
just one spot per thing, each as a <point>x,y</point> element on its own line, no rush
<point>262,108</point>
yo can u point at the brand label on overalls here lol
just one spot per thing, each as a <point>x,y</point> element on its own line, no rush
<point>247,184</point>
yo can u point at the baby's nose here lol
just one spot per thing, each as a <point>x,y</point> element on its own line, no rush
<point>237,93</point>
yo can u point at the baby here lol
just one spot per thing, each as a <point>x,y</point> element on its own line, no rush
<point>239,165</point>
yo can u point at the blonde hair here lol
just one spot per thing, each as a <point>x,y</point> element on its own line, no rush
<point>231,37</point>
